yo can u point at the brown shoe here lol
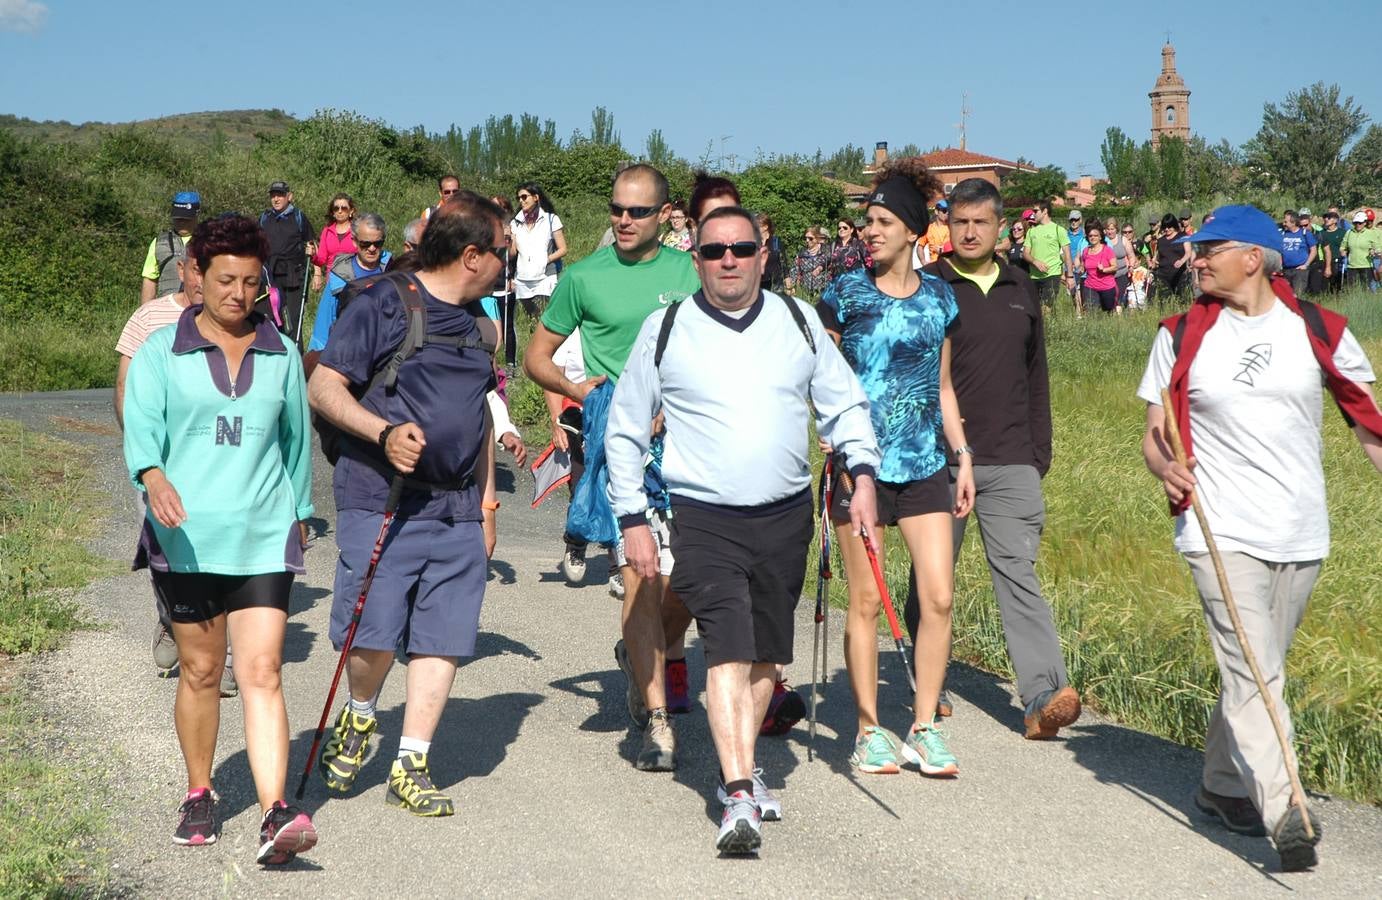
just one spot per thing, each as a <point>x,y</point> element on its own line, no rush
<point>1061,709</point>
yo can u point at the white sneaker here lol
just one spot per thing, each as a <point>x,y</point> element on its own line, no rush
<point>740,826</point>
<point>573,565</point>
<point>768,806</point>
<point>616,585</point>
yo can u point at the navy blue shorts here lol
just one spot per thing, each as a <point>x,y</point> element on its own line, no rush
<point>426,592</point>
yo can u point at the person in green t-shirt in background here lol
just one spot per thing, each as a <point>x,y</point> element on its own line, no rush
<point>1359,245</point>
<point>1331,252</point>
<point>608,295</point>
<point>168,248</point>
<point>1048,252</point>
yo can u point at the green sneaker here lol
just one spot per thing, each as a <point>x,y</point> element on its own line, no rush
<point>344,754</point>
<point>925,747</point>
<point>411,788</point>
<point>875,753</point>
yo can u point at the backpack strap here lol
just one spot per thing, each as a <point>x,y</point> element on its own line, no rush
<point>664,333</point>
<point>416,334</point>
<point>173,245</point>
<point>264,218</point>
<point>1314,320</point>
<point>1177,335</point>
<point>800,320</point>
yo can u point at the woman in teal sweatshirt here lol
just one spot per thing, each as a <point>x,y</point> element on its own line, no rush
<point>216,432</point>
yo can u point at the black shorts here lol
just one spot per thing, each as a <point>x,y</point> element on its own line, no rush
<point>202,596</point>
<point>898,501</point>
<point>741,577</point>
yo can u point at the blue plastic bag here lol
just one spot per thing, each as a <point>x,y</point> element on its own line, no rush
<point>590,516</point>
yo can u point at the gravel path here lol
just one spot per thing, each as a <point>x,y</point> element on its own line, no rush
<point>535,751</point>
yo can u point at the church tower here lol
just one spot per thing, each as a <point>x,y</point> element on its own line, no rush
<point>1170,101</point>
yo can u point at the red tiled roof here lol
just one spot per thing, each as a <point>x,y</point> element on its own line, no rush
<point>954,158</point>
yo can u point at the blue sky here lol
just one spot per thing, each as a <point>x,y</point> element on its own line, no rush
<point>767,77</point>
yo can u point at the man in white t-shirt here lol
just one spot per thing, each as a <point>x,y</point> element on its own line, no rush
<point>1244,369</point>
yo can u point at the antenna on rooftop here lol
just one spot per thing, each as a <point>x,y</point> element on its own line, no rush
<point>964,117</point>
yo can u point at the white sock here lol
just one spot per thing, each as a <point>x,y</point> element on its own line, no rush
<point>408,745</point>
<point>362,708</point>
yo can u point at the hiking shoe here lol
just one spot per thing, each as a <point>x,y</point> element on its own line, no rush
<point>1050,712</point>
<point>1235,813</point>
<point>411,788</point>
<point>285,832</point>
<point>197,819</point>
<point>785,709</point>
<point>875,752</point>
<point>344,755</point>
<point>659,750</point>
<point>228,686</point>
<point>573,565</point>
<point>633,695</point>
<point>616,585</point>
<point>1297,851</point>
<point>769,807</point>
<point>678,687</point>
<point>740,825</point>
<point>925,747</point>
<point>165,649</point>
<point>944,708</point>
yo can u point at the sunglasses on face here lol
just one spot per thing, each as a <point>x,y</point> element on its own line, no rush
<point>447,192</point>
<point>524,196</point>
<point>635,212</point>
<point>340,209</point>
<point>740,249</point>
<point>370,245</point>
<point>496,252</point>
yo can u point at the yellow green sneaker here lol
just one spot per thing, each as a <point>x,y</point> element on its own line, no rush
<point>344,755</point>
<point>411,788</point>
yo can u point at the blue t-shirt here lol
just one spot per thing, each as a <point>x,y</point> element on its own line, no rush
<point>894,346</point>
<point>440,387</point>
<point>1295,247</point>
<point>1077,243</point>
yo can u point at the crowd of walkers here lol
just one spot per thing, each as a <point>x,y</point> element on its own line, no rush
<point>681,376</point>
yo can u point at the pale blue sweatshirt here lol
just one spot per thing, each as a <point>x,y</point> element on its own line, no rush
<point>238,453</point>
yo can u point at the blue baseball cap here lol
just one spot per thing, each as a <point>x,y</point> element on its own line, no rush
<point>186,204</point>
<point>941,204</point>
<point>1243,223</point>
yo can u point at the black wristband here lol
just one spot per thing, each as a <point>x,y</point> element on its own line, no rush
<point>384,435</point>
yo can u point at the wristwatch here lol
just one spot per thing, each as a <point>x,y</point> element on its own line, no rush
<point>965,449</point>
<point>384,435</point>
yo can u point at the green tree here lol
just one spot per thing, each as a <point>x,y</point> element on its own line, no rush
<point>602,131</point>
<point>1046,183</point>
<point>1299,148</point>
<point>657,153</point>
<point>847,163</point>
<point>1364,170</point>
<point>794,195</point>
<point>1170,155</point>
<point>1118,153</point>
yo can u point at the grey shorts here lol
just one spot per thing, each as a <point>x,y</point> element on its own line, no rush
<point>427,590</point>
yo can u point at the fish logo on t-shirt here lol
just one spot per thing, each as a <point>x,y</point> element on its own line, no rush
<point>1254,360</point>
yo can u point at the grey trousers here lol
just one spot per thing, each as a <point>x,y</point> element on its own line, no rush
<point>1242,757</point>
<point>1011,514</point>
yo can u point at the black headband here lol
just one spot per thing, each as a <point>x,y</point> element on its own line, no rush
<point>900,196</point>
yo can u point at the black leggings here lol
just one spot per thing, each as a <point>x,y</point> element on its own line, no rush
<point>508,306</point>
<point>202,596</point>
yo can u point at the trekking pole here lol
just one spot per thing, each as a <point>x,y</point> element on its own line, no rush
<point>819,650</point>
<point>390,509</point>
<point>883,592</point>
<point>302,303</point>
<point>1297,792</point>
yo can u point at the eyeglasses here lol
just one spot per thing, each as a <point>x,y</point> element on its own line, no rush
<point>447,192</point>
<point>524,196</point>
<point>843,228</point>
<point>1204,252</point>
<point>1127,231</point>
<point>340,209</point>
<point>740,249</point>
<point>635,212</point>
<point>497,252</point>
<point>370,245</point>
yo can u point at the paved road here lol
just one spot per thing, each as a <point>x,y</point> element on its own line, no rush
<point>535,751</point>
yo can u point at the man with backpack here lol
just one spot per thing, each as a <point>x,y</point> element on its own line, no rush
<point>170,248</point>
<point>402,382</point>
<point>742,517</point>
<point>369,258</point>
<point>291,245</point>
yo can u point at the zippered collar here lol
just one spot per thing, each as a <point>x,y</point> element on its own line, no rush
<point>187,338</point>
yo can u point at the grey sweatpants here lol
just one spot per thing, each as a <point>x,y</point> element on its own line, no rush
<point>1242,757</point>
<point>1011,514</point>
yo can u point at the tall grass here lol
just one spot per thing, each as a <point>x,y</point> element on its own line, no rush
<point>1123,600</point>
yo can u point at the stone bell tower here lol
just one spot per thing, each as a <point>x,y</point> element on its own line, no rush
<point>1170,100</point>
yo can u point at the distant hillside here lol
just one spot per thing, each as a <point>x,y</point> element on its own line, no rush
<point>238,127</point>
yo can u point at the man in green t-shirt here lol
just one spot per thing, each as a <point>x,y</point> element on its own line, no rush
<point>1360,245</point>
<point>1331,252</point>
<point>608,295</point>
<point>1047,250</point>
<point>168,248</point>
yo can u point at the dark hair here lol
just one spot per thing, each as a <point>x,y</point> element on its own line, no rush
<point>1043,205</point>
<point>466,219</point>
<point>765,222</point>
<point>503,203</point>
<point>679,207</point>
<point>1093,225</point>
<point>1170,221</point>
<point>643,170</point>
<point>441,182</point>
<point>542,201</point>
<point>914,170</point>
<point>227,235</point>
<point>403,262</point>
<point>331,207</point>
<point>973,191</point>
<point>707,188</point>
<point>729,212</point>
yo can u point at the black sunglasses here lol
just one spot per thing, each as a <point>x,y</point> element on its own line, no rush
<point>370,245</point>
<point>635,212</point>
<point>740,249</point>
<point>447,192</point>
<point>340,209</point>
<point>497,252</point>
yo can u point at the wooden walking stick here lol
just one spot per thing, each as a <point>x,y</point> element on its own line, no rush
<point>1172,430</point>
